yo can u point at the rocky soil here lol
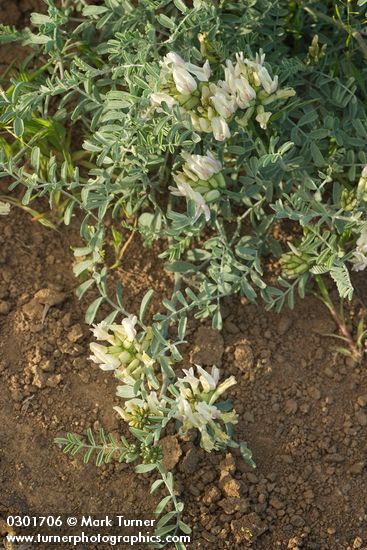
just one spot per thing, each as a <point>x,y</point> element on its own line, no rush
<point>303,411</point>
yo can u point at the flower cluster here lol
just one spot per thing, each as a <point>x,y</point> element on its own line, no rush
<point>247,85</point>
<point>142,413</point>
<point>360,254</point>
<point>199,181</point>
<point>124,354</point>
<point>195,406</point>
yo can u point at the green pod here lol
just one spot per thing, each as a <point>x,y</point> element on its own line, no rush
<point>127,344</point>
<point>134,363</point>
<point>213,183</point>
<point>219,178</point>
<point>212,195</point>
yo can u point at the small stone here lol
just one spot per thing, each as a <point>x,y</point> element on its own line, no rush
<point>314,393</point>
<point>172,451</point>
<point>50,297</point>
<point>309,495</point>
<point>47,366</point>
<point>230,327</point>
<point>361,418</point>
<point>276,503</point>
<point>357,468</point>
<point>244,357</point>
<point>362,400</point>
<point>252,478</point>
<point>247,528</point>
<point>291,406</point>
<point>211,495</point>
<point>39,378</point>
<point>357,543</point>
<point>53,380</point>
<point>33,310</point>
<point>75,333</point>
<point>232,505</point>
<point>297,521</point>
<point>284,324</point>
<point>335,457</point>
<point>249,417</point>
<point>194,490</point>
<point>208,537</point>
<point>294,543</point>
<point>227,465</point>
<point>4,307</point>
<point>190,461</point>
<point>230,487</point>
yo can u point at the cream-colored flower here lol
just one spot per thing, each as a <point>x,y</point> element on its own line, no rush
<point>202,166</point>
<point>184,82</point>
<point>208,381</point>
<point>101,332</point>
<point>224,104</point>
<point>185,190</point>
<point>105,360</point>
<point>129,326</point>
<point>220,129</point>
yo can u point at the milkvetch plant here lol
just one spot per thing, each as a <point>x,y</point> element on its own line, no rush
<point>203,125</point>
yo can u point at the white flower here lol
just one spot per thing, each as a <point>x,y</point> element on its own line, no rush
<point>184,82</point>
<point>244,92</point>
<point>100,332</point>
<point>360,254</point>
<point>185,190</point>
<point>359,261</point>
<point>238,84</point>
<point>364,172</point>
<point>191,379</point>
<point>4,208</point>
<point>203,166</point>
<point>157,98</point>
<point>208,381</point>
<point>207,412</point>
<point>129,326</point>
<point>267,83</point>
<point>362,243</point>
<point>101,356</point>
<point>224,104</point>
<point>185,414</point>
<point>202,73</point>
<point>154,404</point>
<point>174,59</point>
<point>220,129</point>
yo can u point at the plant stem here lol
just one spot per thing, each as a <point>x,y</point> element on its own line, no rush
<point>325,298</point>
